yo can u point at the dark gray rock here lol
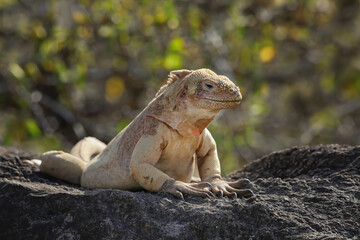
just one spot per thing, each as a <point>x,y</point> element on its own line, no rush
<point>301,193</point>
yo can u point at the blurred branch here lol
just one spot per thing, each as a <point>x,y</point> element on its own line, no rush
<point>340,111</point>
<point>65,114</point>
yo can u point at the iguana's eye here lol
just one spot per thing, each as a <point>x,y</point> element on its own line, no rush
<point>209,86</point>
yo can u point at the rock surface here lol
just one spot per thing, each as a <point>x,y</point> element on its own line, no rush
<point>301,193</point>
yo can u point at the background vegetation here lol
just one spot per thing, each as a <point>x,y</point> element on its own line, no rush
<point>70,68</point>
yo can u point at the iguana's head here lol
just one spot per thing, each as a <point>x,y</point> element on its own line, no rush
<point>190,100</point>
<point>208,90</point>
<point>203,89</point>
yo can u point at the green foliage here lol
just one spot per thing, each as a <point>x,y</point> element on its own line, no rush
<point>74,68</point>
<point>32,127</point>
<point>123,123</point>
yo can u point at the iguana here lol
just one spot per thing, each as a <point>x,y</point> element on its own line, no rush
<point>166,148</point>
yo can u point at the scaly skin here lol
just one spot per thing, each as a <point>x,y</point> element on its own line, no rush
<point>166,146</point>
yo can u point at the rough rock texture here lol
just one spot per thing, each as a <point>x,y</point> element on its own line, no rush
<point>301,193</point>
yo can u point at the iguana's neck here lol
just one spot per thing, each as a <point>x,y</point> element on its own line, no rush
<point>182,117</point>
<point>189,128</point>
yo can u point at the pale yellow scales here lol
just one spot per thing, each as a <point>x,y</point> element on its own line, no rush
<point>166,148</point>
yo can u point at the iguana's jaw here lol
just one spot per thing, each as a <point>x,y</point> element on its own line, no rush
<point>236,101</point>
<point>222,103</point>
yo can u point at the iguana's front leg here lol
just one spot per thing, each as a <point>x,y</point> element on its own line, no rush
<point>142,168</point>
<point>209,170</point>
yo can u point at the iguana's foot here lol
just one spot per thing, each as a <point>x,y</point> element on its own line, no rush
<point>178,188</point>
<point>231,189</point>
<point>35,163</point>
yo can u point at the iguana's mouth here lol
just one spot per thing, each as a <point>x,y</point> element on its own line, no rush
<point>238,100</point>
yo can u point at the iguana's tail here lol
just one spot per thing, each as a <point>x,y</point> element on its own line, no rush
<point>88,148</point>
<point>69,166</point>
<point>62,165</point>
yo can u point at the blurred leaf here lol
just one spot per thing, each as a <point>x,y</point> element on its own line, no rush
<point>48,65</point>
<point>16,70</point>
<point>8,139</point>
<point>44,143</point>
<point>81,70</point>
<point>84,32</point>
<point>173,61</point>
<point>32,69</point>
<point>267,54</point>
<point>326,118</point>
<point>148,19</point>
<point>298,33</point>
<point>257,109</point>
<point>39,31</point>
<point>123,123</point>
<point>357,84</point>
<point>79,17</point>
<point>328,83</point>
<point>62,71</point>
<point>6,3</point>
<point>114,89</point>
<point>176,44</point>
<point>264,89</point>
<point>48,47</point>
<point>349,90</point>
<point>124,38</point>
<point>194,17</point>
<point>107,31</point>
<point>32,127</point>
<point>173,23</point>
<point>160,16</point>
<point>60,34</point>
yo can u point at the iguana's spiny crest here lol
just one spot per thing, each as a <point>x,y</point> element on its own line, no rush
<point>204,88</point>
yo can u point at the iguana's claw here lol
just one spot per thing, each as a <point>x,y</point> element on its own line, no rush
<point>231,189</point>
<point>239,183</point>
<point>177,189</point>
<point>179,195</point>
